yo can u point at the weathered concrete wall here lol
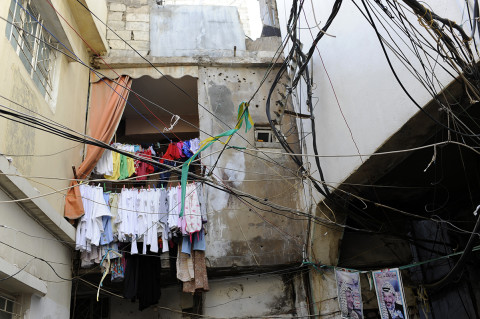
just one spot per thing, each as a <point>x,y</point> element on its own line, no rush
<point>248,10</point>
<point>250,296</point>
<point>216,28</point>
<point>238,235</point>
<point>255,296</point>
<point>172,298</point>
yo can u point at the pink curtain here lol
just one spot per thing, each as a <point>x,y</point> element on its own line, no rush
<point>106,109</point>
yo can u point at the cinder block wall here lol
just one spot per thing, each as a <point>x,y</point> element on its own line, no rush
<point>131,22</point>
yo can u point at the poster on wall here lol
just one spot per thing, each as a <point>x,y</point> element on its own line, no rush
<point>390,296</point>
<point>349,294</point>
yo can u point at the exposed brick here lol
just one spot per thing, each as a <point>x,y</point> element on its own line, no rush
<point>116,44</point>
<point>125,35</point>
<point>139,2</point>
<point>115,16</point>
<point>117,7</point>
<point>117,25</point>
<point>142,17</point>
<point>141,35</point>
<point>138,26</point>
<point>142,9</point>
<point>118,53</point>
<point>140,45</point>
<point>127,53</point>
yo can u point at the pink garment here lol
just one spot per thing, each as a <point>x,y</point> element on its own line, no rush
<point>192,214</point>
<point>181,220</point>
<point>179,145</point>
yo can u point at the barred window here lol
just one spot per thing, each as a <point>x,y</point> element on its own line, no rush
<point>31,43</point>
<point>9,308</point>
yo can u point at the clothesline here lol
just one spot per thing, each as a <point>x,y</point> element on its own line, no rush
<point>414,264</point>
<point>115,166</point>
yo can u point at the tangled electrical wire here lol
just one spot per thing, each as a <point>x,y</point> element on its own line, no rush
<point>296,54</point>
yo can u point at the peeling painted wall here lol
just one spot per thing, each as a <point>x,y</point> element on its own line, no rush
<point>71,101</point>
<point>36,154</point>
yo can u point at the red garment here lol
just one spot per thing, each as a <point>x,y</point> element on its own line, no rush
<point>142,168</point>
<point>172,153</point>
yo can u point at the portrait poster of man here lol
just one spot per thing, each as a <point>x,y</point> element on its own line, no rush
<point>349,294</point>
<point>390,296</point>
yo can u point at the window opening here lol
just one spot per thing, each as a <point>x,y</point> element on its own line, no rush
<point>135,129</point>
<point>29,41</point>
<point>265,137</point>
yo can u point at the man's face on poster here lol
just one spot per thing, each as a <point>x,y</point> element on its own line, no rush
<point>389,299</point>
<point>349,298</point>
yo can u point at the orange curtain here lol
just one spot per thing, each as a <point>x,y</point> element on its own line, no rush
<point>106,109</point>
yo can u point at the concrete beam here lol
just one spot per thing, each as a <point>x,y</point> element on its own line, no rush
<point>243,59</point>
<point>37,207</point>
<point>21,281</point>
<point>91,29</point>
<point>414,133</point>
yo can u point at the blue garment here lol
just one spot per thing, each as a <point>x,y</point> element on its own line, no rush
<point>186,149</point>
<point>186,245</point>
<point>107,236</point>
<point>136,148</point>
<point>198,240</point>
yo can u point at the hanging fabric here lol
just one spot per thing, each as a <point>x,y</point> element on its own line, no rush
<point>106,109</point>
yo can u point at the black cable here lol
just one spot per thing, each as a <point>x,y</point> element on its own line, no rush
<point>461,261</point>
<point>321,33</point>
<point>403,87</point>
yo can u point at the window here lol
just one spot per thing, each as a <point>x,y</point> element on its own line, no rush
<point>264,136</point>
<point>9,309</point>
<point>30,42</point>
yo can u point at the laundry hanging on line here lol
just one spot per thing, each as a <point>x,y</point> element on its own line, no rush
<point>116,166</point>
<point>138,215</point>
